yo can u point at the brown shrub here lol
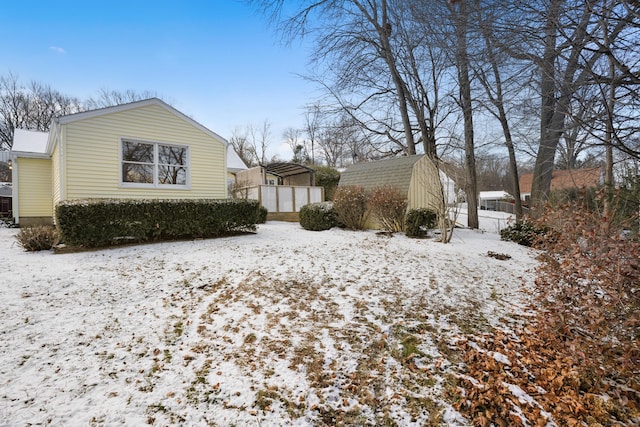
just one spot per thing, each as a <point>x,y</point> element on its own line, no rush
<point>388,206</point>
<point>350,206</point>
<point>588,289</point>
<point>37,238</point>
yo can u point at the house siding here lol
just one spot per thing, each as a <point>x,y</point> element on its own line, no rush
<point>92,155</point>
<point>35,190</point>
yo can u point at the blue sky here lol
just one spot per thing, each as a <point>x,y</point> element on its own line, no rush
<point>217,61</point>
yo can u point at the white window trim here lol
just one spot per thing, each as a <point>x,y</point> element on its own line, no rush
<point>156,164</point>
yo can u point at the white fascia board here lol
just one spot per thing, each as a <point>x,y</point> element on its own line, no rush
<point>29,155</point>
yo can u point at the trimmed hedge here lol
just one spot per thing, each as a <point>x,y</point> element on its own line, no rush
<point>419,221</point>
<point>95,223</point>
<point>317,216</point>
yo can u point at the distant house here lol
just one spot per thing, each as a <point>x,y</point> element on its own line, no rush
<point>563,179</point>
<point>141,150</point>
<point>489,200</point>
<point>416,176</point>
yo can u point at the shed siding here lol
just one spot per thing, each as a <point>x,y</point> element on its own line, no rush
<point>35,189</point>
<point>425,189</point>
<point>93,155</point>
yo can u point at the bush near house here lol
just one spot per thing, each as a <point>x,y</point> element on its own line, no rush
<point>419,221</point>
<point>350,204</point>
<point>317,216</point>
<point>262,215</point>
<point>95,223</point>
<point>328,178</point>
<point>388,206</point>
<point>37,238</point>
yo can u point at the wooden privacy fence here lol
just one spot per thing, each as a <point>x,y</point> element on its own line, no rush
<point>284,201</point>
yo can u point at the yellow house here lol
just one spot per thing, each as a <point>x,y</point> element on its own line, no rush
<point>141,150</point>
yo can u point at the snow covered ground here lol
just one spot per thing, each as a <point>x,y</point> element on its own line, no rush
<point>281,327</point>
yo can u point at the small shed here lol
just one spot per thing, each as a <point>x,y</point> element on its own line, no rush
<point>416,176</point>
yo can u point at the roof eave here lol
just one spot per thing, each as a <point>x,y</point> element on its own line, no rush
<point>29,155</point>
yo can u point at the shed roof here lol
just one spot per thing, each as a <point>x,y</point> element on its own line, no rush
<point>284,169</point>
<point>394,172</point>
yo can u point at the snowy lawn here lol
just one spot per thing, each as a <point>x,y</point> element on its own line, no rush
<point>282,327</point>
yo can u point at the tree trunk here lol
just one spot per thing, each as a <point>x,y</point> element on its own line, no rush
<point>460,20</point>
<point>556,96</point>
<point>497,100</point>
<point>609,133</point>
<point>543,168</point>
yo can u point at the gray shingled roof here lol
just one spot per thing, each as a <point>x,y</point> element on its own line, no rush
<point>395,172</point>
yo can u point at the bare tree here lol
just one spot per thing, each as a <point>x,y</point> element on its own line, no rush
<point>312,118</point>
<point>30,107</point>
<point>490,75</point>
<point>110,97</point>
<point>240,142</point>
<point>251,143</point>
<point>565,48</point>
<point>259,138</point>
<point>460,20</point>
<point>292,138</point>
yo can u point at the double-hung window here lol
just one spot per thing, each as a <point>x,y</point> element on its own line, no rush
<point>154,164</point>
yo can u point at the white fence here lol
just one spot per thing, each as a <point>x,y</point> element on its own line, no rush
<point>285,198</point>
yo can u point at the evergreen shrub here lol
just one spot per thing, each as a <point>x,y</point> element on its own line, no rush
<point>350,204</point>
<point>37,238</point>
<point>328,178</point>
<point>317,216</point>
<point>95,223</point>
<point>419,221</point>
<point>262,215</point>
<point>524,233</point>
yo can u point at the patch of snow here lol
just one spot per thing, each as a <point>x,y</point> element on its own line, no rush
<point>282,327</point>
